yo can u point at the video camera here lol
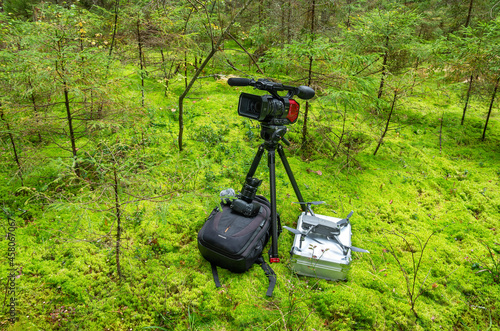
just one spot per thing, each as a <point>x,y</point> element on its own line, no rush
<point>272,109</point>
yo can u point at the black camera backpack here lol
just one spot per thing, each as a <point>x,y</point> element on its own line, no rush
<point>235,242</point>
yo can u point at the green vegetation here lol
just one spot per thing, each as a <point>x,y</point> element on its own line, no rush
<point>108,173</point>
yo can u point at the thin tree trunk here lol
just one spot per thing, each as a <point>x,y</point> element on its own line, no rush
<point>341,138</point>
<point>288,29</point>
<point>36,116</point>
<point>185,70</point>
<point>165,74</point>
<point>82,37</point>
<point>441,133</point>
<point>348,23</point>
<point>387,123</point>
<point>347,155</point>
<point>141,62</point>
<point>115,25</point>
<point>259,70</point>
<point>384,67</point>
<point>91,103</point>
<point>313,17</point>
<point>69,117</point>
<point>309,74</point>
<point>467,98</point>
<point>260,14</point>
<point>306,112</point>
<point>186,91</point>
<point>67,104</point>
<point>118,223</point>
<point>215,48</point>
<point>469,14</point>
<point>185,52</point>
<point>35,109</point>
<point>491,107</point>
<point>111,48</point>
<point>13,143</point>
<point>283,27</point>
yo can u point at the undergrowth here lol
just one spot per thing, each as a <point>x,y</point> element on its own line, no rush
<point>67,276</point>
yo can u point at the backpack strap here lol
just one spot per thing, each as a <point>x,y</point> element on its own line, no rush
<point>270,275</point>
<point>267,269</point>
<point>215,274</point>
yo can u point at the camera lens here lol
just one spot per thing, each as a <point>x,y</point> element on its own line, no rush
<point>250,189</point>
<point>255,107</point>
<point>276,108</point>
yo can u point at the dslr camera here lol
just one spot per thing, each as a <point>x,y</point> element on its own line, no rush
<point>243,204</point>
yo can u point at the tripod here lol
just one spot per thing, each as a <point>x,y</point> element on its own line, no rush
<point>272,134</point>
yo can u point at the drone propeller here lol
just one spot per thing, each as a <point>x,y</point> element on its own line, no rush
<point>345,220</point>
<point>308,205</point>
<point>357,249</point>
<point>294,231</point>
<point>335,238</point>
<point>311,203</point>
<point>303,234</point>
<point>345,248</point>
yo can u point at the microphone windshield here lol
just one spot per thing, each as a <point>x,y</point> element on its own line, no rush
<point>239,81</point>
<point>305,92</point>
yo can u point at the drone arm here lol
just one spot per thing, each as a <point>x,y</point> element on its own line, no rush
<point>344,221</point>
<point>310,209</point>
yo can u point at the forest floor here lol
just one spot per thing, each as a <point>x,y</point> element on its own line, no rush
<point>426,206</point>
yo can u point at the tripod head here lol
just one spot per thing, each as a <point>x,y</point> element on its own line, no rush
<point>273,134</point>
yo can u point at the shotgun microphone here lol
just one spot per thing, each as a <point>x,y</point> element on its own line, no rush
<point>240,81</point>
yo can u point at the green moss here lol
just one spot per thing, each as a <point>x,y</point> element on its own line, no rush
<point>67,241</point>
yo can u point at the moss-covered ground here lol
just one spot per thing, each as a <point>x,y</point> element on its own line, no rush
<point>432,176</point>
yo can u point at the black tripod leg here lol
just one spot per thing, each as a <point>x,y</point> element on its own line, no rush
<point>291,177</point>
<point>273,253</point>
<point>256,161</point>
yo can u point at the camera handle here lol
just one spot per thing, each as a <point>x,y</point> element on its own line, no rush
<point>302,92</point>
<point>272,136</point>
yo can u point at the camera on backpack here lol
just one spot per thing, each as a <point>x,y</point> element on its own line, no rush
<point>244,203</point>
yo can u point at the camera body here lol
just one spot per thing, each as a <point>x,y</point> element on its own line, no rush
<point>244,208</point>
<point>269,109</point>
<point>272,109</point>
<point>243,204</point>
